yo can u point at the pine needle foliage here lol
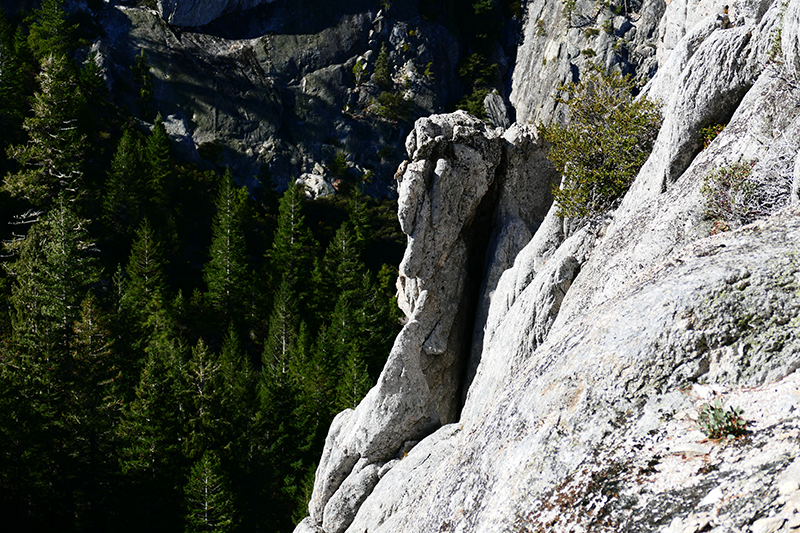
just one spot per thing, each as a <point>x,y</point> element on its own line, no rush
<point>607,140</point>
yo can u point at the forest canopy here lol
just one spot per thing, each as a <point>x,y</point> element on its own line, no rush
<point>173,346</point>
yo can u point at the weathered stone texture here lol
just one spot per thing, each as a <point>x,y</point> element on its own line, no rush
<point>200,12</point>
<point>594,347</point>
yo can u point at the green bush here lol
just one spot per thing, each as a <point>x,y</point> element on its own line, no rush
<point>710,132</point>
<point>473,103</point>
<point>606,141</point>
<point>730,195</point>
<point>717,423</point>
<point>392,105</point>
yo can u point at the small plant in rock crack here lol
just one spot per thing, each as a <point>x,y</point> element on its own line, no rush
<point>730,195</point>
<point>718,423</point>
<point>710,132</point>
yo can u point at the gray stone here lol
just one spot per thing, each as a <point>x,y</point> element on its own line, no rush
<point>341,508</point>
<point>496,110</point>
<point>573,412</point>
<point>594,347</point>
<point>453,163</point>
<point>200,12</point>
<point>315,186</point>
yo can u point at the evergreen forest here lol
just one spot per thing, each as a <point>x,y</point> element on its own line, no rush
<point>173,347</point>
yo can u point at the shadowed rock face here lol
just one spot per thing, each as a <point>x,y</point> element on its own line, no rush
<point>200,12</point>
<point>273,87</point>
<point>594,348</point>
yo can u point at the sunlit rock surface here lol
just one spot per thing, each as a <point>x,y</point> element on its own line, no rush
<point>594,348</point>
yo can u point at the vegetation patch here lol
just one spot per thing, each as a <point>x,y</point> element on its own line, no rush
<point>730,196</point>
<point>720,423</point>
<point>600,150</point>
<point>710,132</point>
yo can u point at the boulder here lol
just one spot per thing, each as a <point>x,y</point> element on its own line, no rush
<point>496,110</point>
<point>595,347</point>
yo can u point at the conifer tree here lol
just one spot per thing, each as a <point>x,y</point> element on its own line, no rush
<point>12,95</point>
<point>51,162</point>
<point>145,270</point>
<point>291,257</point>
<point>51,276</point>
<point>339,271</point>
<point>143,307</point>
<point>242,441</point>
<point>206,422</point>
<point>208,500</point>
<point>122,199</point>
<point>94,410</point>
<point>226,273</point>
<point>283,329</point>
<point>358,211</point>
<point>143,81</point>
<point>238,395</point>
<point>53,269</point>
<point>50,35</point>
<point>152,434</point>
<point>355,382</point>
<point>158,167</point>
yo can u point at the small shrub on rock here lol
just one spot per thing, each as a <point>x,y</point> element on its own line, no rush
<point>729,194</point>
<point>392,105</point>
<point>606,141</point>
<point>718,423</point>
<point>710,132</point>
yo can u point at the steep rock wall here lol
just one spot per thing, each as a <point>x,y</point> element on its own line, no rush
<point>200,12</point>
<point>600,344</point>
<point>273,89</point>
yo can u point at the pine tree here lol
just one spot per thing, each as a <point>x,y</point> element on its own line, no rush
<point>152,434</point>
<point>51,276</point>
<point>51,162</point>
<point>50,35</point>
<point>291,257</point>
<point>355,382</point>
<point>53,269</point>
<point>339,271</point>
<point>283,329</point>
<point>358,211</point>
<point>94,411</point>
<point>122,200</point>
<point>147,284</point>
<point>158,165</point>
<point>12,91</point>
<point>226,273</point>
<point>241,444</point>
<point>143,81</point>
<point>208,500</point>
<point>206,422</point>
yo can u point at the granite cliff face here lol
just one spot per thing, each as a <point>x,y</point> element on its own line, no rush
<point>201,12</point>
<point>281,89</point>
<point>582,355</point>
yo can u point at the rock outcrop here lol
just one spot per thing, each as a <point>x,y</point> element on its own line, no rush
<point>285,87</point>
<point>594,348</point>
<point>453,159</point>
<point>201,12</point>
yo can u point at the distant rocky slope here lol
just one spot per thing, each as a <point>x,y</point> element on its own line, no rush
<point>286,89</point>
<point>201,12</point>
<point>549,377</point>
